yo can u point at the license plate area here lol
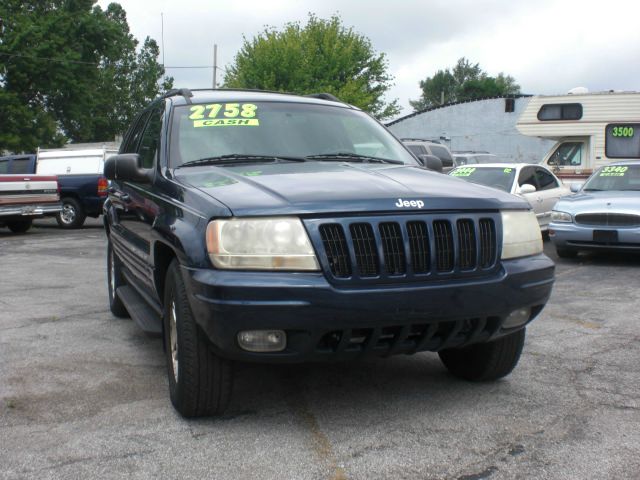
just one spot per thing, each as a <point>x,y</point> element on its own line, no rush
<point>605,236</point>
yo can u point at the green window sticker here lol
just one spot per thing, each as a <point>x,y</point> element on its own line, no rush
<point>508,170</point>
<point>613,171</point>
<point>463,172</point>
<point>224,115</point>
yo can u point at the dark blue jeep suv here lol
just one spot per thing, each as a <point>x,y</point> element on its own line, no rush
<point>264,227</point>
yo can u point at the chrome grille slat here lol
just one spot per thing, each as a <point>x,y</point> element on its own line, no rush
<point>408,248</point>
<point>607,219</point>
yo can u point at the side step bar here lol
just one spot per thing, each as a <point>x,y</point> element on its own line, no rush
<point>145,316</point>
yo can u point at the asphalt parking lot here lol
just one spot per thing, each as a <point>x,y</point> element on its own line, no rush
<point>84,395</point>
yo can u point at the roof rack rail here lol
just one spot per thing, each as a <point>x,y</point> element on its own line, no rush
<point>323,96</point>
<point>432,140</point>
<point>184,92</point>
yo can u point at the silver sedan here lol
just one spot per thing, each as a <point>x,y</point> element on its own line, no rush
<point>604,215</point>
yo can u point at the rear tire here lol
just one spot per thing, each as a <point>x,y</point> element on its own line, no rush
<point>20,226</point>
<point>564,252</point>
<point>115,280</point>
<point>200,382</point>
<point>72,214</point>
<point>485,361</point>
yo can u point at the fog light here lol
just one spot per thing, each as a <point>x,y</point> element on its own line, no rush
<point>517,318</point>
<point>262,340</point>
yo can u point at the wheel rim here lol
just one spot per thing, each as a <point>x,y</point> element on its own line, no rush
<point>173,339</point>
<point>68,213</point>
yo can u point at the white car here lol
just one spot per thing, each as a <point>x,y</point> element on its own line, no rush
<point>535,183</point>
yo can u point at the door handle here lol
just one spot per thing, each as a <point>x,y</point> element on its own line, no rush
<point>123,197</point>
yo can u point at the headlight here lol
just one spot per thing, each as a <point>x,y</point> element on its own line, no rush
<point>277,243</point>
<point>520,234</point>
<point>561,217</point>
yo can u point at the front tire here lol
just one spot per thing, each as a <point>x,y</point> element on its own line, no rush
<point>115,280</point>
<point>200,382</point>
<point>20,226</point>
<point>72,214</point>
<point>485,361</point>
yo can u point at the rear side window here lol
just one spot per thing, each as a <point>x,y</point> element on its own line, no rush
<point>443,154</point>
<point>417,149</point>
<point>622,140</point>
<point>560,111</point>
<point>21,165</point>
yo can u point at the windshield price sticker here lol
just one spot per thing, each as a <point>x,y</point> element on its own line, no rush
<point>613,171</point>
<point>224,115</point>
<point>620,131</point>
<point>463,172</point>
<point>508,170</point>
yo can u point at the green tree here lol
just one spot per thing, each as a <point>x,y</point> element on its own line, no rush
<point>70,71</point>
<point>322,56</point>
<point>466,81</point>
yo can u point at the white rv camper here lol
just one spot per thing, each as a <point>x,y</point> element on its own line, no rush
<point>591,129</point>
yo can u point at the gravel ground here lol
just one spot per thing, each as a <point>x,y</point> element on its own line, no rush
<point>84,395</point>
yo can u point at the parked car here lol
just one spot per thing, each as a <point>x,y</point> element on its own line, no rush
<point>83,187</point>
<point>474,158</point>
<point>420,147</point>
<point>244,226</point>
<point>535,183</point>
<point>25,197</point>
<point>603,215</point>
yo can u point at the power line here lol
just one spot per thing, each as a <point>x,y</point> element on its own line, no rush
<point>60,60</point>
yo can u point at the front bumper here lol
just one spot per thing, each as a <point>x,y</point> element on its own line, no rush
<point>578,236</point>
<point>324,322</point>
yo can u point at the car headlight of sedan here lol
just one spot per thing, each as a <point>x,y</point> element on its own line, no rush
<point>276,243</point>
<point>520,234</point>
<point>561,217</point>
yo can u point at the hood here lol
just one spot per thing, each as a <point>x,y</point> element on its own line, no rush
<point>332,187</point>
<point>608,201</point>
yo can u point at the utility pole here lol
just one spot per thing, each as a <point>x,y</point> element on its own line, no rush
<point>162,35</point>
<point>215,64</point>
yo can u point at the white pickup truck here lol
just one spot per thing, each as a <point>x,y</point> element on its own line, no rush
<point>25,197</point>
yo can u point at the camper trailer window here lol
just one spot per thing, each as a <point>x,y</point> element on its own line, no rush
<point>560,111</point>
<point>623,140</point>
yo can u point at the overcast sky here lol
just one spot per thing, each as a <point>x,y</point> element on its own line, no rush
<point>549,46</point>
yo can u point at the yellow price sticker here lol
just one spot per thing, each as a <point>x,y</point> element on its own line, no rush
<point>226,110</point>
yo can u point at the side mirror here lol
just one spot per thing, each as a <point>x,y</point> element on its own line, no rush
<point>527,188</point>
<point>552,161</point>
<point>126,166</point>
<point>576,187</point>
<point>431,162</point>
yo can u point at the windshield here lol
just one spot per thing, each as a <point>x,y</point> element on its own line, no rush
<point>279,129</point>
<point>500,178</point>
<point>615,177</point>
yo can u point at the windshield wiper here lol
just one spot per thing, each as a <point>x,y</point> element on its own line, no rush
<point>592,190</point>
<point>239,158</point>
<point>352,157</point>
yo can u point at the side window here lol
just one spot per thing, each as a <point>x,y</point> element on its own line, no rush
<point>567,154</point>
<point>545,180</point>
<point>527,175</point>
<point>4,165</point>
<point>21,165</point>
<point>132,137</point>
<point>150,140</point>
<point>560,111</point>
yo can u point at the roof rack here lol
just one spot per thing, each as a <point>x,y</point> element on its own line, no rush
<point>184,92</point>
<point>323,96</point>
<point>432,140</point>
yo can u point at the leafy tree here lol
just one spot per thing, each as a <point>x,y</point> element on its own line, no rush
<point>466,81</point>
<point>70,71</point>
<point>322,56</point>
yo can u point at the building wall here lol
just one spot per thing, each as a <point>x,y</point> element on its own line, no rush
<point>477,125</point>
